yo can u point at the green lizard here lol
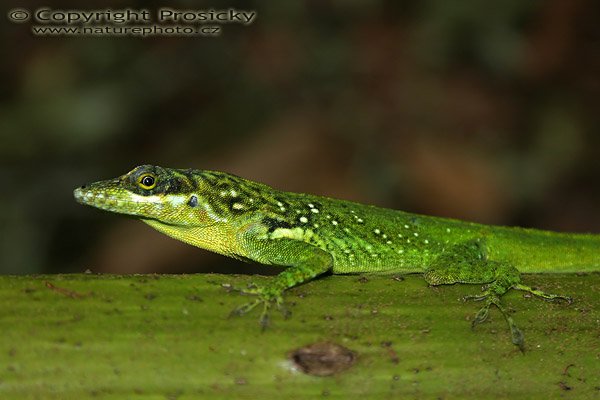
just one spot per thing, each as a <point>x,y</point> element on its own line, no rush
<point>312,235</point>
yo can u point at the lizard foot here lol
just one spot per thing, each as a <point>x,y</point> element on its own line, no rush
<point>491,298</point>
<point>265,297</point>
<point>543,295</point>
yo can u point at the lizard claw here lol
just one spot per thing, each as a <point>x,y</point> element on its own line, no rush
<point>265,297</point>
<point>244,308</point>
<point>482,315</point>
<point>543,295</point>
<point>566,299</point>
<point>474,297</point>
<point>251,289</point>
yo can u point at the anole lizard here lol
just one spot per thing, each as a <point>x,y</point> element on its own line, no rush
<point>311,235</point>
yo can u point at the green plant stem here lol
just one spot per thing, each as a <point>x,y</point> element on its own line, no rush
<point>169,336</point>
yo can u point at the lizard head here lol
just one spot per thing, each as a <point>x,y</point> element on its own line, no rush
<point>169,196</point>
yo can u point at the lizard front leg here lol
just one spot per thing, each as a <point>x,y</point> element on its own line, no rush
<point>303,261</point>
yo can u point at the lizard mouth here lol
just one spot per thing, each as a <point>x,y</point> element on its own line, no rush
<point>105,202</point>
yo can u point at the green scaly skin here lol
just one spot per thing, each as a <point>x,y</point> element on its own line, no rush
<point>312,235</point>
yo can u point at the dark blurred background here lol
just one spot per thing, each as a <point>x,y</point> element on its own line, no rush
<point>486,111</point>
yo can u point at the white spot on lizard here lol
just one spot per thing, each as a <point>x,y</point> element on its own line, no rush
<point>296,233</point>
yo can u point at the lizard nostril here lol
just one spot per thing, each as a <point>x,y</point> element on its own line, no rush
<point>82,187</point>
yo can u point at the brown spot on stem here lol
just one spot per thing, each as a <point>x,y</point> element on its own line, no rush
<point>65,292</point>
<point>564,386</point>
<point>566,370</point>
<point>391,352</point>
<point>323,359</point>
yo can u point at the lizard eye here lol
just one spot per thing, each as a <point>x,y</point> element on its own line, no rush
<point>147,181</point>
